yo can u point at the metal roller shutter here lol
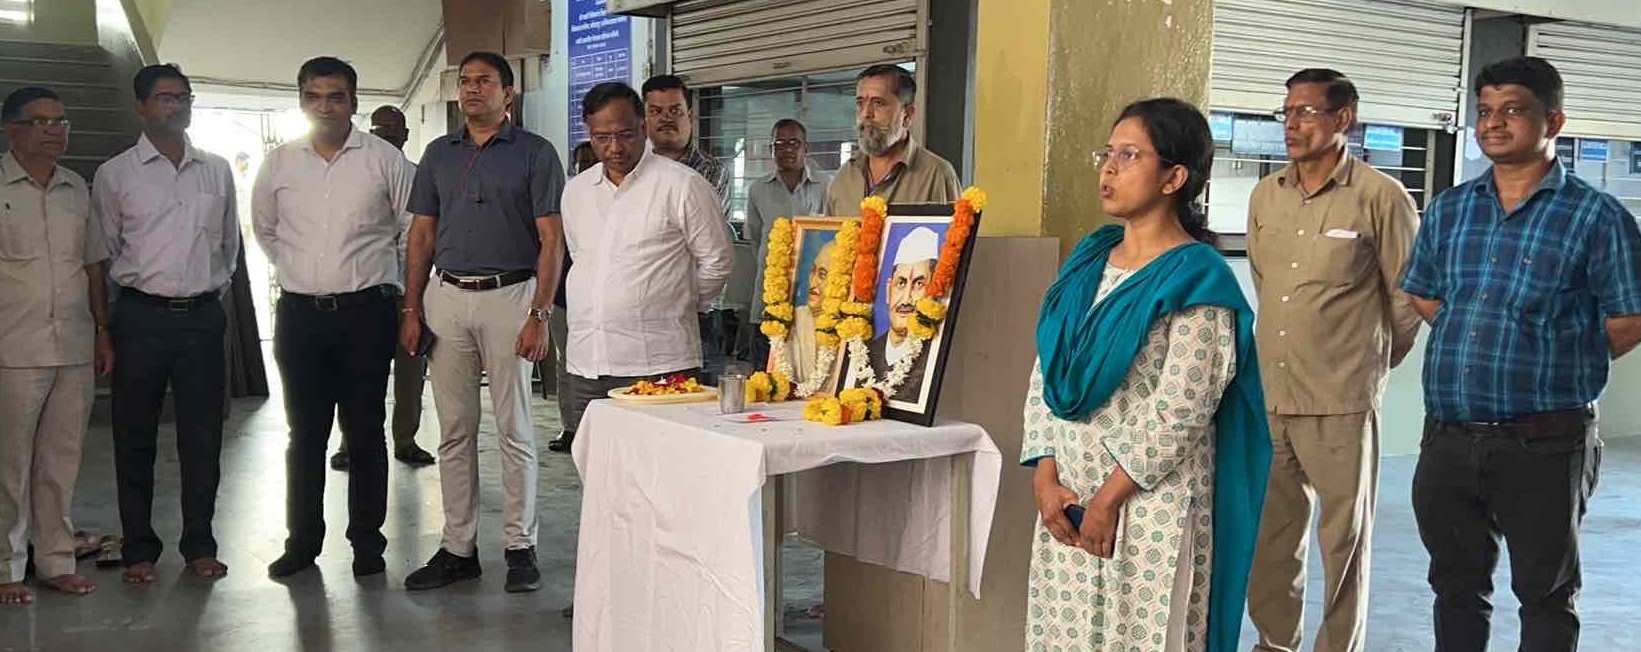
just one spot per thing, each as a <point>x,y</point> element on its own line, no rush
<point>1600,66</point>
<point>1405,56</point>
<point>718,41</point>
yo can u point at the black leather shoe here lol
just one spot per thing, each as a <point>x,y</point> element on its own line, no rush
<point>522,574</point>
<point>562,443</point>
<point>289,564</point>
<point>339,461</point>
<point>443,569</point>
<point>414,456</point>
<point>367,565</point>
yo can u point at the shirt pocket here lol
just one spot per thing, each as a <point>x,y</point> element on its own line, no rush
<point>207,208</point>
<point>20,234</point>
<point>1337,259</point>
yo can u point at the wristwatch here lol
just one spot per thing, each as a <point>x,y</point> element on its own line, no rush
<point>539,314</point>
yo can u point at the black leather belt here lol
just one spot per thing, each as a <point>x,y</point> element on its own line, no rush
<point>169,303</point>
<point>493,282</point>
<point>1536,424</point>
<point>328,302</point>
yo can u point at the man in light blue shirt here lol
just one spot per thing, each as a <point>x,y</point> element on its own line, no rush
<point>794,190</point>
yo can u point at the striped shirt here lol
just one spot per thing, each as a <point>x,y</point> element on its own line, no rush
<point>1524,296</point>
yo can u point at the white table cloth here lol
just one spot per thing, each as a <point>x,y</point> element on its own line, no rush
<point>670,555</point>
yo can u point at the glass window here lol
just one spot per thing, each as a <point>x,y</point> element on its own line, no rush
<point>17,11</point>
<point>736,120</point>
<point>1611,165</point>
<point>1250,147</point>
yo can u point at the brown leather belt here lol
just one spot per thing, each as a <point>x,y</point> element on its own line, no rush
<point>493,282</point>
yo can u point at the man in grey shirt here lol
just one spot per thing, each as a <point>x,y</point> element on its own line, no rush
<point>793,190</point>
<point>486,201</point>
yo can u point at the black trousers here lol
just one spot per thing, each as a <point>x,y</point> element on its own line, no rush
<point>158,346</point>
<point>334,362</point>
<point>1528,482</point>
<point>575,392</point>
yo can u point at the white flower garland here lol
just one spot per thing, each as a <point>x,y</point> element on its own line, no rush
<point>860,366</point>
<point>806,387</point>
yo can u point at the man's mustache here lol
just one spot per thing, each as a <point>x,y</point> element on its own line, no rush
<point>905,307</point>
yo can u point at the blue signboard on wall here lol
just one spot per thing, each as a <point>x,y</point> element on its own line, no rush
<point>600,51</point>
<point>1384,138</point>
<point>1592,150</point>
<point>1635,158</point>
<point>1220,125</point>
<point>1258,137</point>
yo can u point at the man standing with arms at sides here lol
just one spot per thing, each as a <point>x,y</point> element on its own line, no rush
<point>793,190</point>
<point>53,313</point>
<point>1531,280</point>
<point>1328,238</point>
<point>327,210</point>
<point>409,371</point>
<point>486,201</point>
<point>635,288</point>
<point>169,219</point>
<point>889,163</point>
<point>581,159</point>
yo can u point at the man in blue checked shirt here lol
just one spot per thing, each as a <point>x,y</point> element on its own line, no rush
<point>1531,280</point>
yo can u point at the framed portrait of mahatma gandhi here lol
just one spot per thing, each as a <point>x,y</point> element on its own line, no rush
<point>813,246</point>
<point>914,236</point>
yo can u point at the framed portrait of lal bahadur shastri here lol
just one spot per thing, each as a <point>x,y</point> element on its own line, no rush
<point>914,235</point>
<point>813,247</point>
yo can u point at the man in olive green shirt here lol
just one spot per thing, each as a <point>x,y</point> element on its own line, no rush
<point>889,163</point>
<point>1328,237</point>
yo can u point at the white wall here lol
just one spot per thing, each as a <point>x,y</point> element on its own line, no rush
<point>1402,412</point>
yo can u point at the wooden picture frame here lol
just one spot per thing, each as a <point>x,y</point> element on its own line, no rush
<point>812,239</point>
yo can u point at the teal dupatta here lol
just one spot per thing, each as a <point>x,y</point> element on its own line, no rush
<point>1087,352</point>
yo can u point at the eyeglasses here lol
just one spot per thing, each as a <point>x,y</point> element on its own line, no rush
<point>42,123</point>
<point>674,111</point>
<point>174,99</point>
<point>1305,113</point>
<point>605,140</point>
<point>786,143</point>
<point>1123,158</point>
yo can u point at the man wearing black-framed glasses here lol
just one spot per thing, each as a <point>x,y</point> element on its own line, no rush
<point>53,314</point>
<point>170,221</point>
<point>486,200</point>
<point>1328,237</point>
<point>794,189</point>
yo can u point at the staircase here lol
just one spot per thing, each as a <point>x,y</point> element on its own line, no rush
<point>99,101</point>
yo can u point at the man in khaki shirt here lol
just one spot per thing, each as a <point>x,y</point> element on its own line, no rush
<point>889,164</point>
<point>1327,238</point>
<point>52,312</point>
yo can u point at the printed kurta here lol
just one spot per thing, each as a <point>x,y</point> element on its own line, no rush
<point>1152,595</point>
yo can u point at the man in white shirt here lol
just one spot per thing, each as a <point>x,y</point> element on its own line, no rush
<point>327,210</point>
<point>793,190</point>
<point>168,216</point>
<point>650,251</point>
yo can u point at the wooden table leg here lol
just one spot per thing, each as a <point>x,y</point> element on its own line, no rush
<point>774,497</point>
<point>959,586</point>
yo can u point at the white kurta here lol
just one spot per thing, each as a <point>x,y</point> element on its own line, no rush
<point>1152,595</point>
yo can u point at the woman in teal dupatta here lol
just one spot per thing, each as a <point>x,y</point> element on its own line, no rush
<point>1145,409</point>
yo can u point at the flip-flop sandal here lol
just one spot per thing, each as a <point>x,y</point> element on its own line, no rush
<point>108,555</point>
<point>86,544</point>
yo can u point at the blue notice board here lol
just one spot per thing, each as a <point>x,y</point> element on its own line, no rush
<point>600,51</point>
<point>1384,138</point>
<point>1635,158</point>
<point>1220,125</point>
<point>1258,137</point>
<point>1592,150</point>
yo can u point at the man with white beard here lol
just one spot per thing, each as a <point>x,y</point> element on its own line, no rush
<point>889,162</point>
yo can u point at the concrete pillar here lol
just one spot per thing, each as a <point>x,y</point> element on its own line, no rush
<point>1049,78</point>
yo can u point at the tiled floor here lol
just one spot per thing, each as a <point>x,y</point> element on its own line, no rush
<point>330,610</point>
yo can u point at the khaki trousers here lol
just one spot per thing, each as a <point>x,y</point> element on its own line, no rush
<point>43,416</point>
<point>478,332</point>
<point>1332,460</point>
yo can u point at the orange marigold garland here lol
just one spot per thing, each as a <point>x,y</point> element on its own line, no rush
<point>945,270</point>
<point>873,214</point>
